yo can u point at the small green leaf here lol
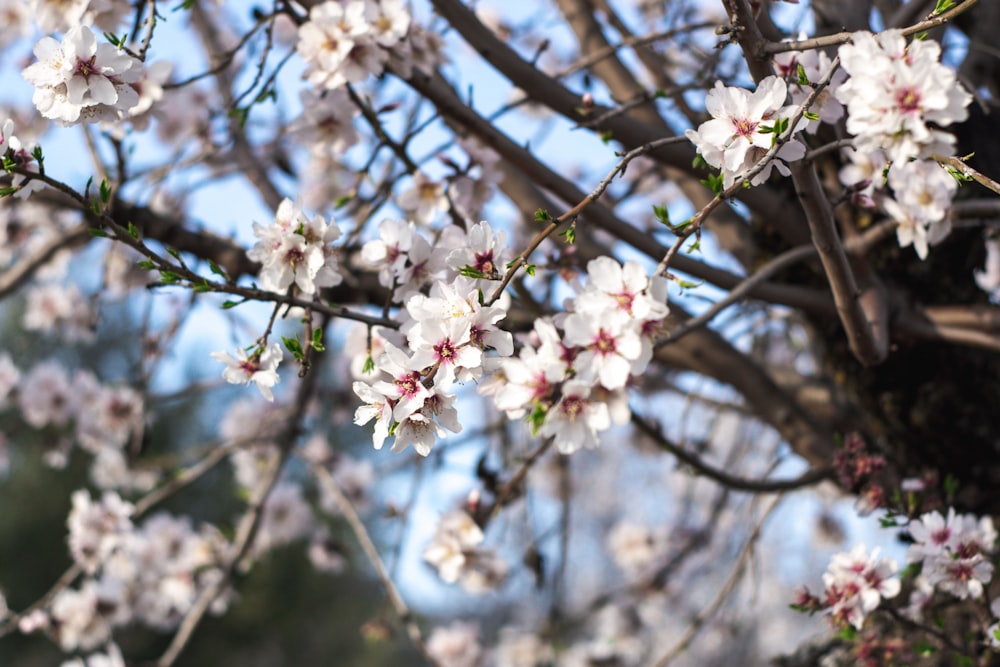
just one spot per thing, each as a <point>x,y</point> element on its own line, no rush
<point>536,418</point>
<point>662,214</point>
<point>529,269</point>
<point>214,268</point>
<point>226,305</point>
<point>105,191</point>
<point>294,346</point>
<point>847,633</point>
<point>942,7</point>
<point>341,202</point>
<point>202,287</point>
<point>569,235</point>
<point>605,136</point>
<point>470,272</point>
<point>369,366</point>
<point>6,192</point>
<point>169,277</point>
<point>800,72</point>
<point>541,215</point>
<point>99,233</point>
<point>714,183</point>
<point>173,253</point>
<point>133,231</point>
<point>317,340</point>
<point>811,115</point>
<point>699,162</point>
<point>950,486</point>
<point>687,284</point>
<point>36,153</point>
<point>146,265</point>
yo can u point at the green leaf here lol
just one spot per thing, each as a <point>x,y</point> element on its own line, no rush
<point>530,269</point>
<point>6,192</point>
<point>99,233</point>
<point>146,265</point>
<point>950,486</point>
<point>714,183</point>
<point>294,346</point>
<point>811,115</point>
<point>202,287</point>
<point>133,231</point>
<point>662,214</point>
<point>536,418</point>
<point>569,235</point>
<point>541,215</point>
<point>214,268</point>
<point>105,191</point>
<point>169,277</point>
<point>173,253</point>
<point>36,153</point>
<point>800,72</point>
<point>699,162</point>
<point>942,7</point>
<point>317,340</point>
<point>847,633</point>
<point>226,305</point>
<point>341,202</point>
<point>605,136</point>
<point>240,114</point>
<point>369,366</point>
<point>687,284</point>
<point>470,272</point>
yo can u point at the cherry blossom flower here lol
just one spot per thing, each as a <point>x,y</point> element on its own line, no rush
<point>424,200</point>
<point>96,530</point>
<point>735,138</point>
<point>80,79</point>
<point>296,249</point>
<point>856,582</point>
<point>953,551</point>
<point>576,419</point>
<point>326,125</point>
<point>813,66</point>
<point>260,367</point>
<point>456,645</point>
<point>895,90</point>
<point>456,553</point>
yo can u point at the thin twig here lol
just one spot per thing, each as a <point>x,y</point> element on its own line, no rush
<point>371,552</point>
<point>844,37</point>
<point>699,621</point>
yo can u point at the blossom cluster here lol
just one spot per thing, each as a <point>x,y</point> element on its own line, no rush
<point>744,127</point>
<point>571,385</point>
<point>898,97</point>
<point>78,408</point>
<point>150,574</point>
<point>444,334</point>
<point>296,250</point>
<point>856,583</point>
<point>346,42</point>
<point>456,553</point>
<point>897,93</point>
<point>954,552</point>
<point>78,79</point>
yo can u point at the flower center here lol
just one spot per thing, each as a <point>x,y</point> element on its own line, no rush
<point>744,127</point>
<point>908,100</point>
